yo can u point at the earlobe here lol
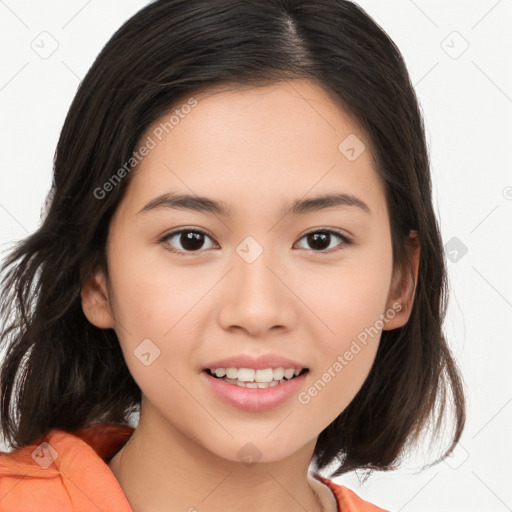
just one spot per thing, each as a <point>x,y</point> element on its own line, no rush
<point>403,288</point>
<point>95,303</point>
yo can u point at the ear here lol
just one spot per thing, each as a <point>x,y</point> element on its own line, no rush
<point>95,301</point>
<point>403,286</point>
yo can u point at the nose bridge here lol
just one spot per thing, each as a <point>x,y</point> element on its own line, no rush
<point>257,300</point>
<point>254,279</point>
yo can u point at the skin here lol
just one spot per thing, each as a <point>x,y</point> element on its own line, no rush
<point>255,149</point>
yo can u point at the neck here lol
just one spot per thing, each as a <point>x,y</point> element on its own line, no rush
<point>161,469</point>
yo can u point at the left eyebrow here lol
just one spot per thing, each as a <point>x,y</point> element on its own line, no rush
<point>313,204</point>
<point>208,205</point>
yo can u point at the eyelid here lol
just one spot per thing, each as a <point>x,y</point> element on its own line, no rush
<point>346,239</point>
<point>340,233</point>
<point>185,229</point>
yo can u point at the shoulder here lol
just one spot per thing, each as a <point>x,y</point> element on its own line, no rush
<point>64,471</point>
<point>348,500</point>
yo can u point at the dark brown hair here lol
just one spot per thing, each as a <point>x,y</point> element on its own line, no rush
<point>60,371</point>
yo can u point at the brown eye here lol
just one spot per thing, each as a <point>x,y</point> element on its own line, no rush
<point>187,240</point>
<point>320,241</point>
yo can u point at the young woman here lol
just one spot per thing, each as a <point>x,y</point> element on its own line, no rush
<point>240,247</point>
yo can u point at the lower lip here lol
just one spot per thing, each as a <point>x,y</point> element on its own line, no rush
<point>254,399</point>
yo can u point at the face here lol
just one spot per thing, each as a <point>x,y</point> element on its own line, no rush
<point>245,280</point>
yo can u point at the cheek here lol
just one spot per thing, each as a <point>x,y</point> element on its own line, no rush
<point>152,305</point>
<point>343,361</point>
<point>352,306</point>
<point>151,294</point>
<point>351,296</point>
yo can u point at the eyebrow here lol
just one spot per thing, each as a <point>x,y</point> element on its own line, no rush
<point>298,207</point>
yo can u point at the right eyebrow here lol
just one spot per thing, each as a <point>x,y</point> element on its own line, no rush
<point>187,202</point>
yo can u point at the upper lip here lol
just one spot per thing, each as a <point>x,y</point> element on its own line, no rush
<point>258,363</point>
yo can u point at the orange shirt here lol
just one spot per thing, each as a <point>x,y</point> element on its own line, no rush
<point>64,472</point>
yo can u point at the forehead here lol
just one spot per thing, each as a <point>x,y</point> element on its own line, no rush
<point>284,140</point>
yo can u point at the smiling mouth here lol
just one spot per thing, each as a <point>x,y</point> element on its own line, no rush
<point>250,378</point>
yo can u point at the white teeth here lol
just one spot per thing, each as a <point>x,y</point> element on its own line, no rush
<point>264,375</point>
<point>278,374</point>
<point>231,373</point>
<point>289,373</point>
<point>251,378</point>
<point>246,374</point>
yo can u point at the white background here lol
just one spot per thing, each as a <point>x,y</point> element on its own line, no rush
<point>466,97</point>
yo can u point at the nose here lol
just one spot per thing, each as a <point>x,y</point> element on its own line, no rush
<point>256,298</point>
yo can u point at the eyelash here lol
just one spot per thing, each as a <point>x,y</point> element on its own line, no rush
<point>345,240</point>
